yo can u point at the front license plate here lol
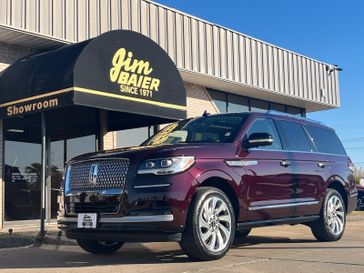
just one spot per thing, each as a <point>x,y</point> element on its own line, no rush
<point>87,220</point>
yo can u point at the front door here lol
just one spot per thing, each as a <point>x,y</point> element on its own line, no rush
<point>267,182</point>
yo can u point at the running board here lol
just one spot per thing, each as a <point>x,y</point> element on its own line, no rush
<point>280,221</point>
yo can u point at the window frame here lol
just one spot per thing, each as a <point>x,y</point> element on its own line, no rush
<point>263,147</point>
<point>317,148</point>
<point>285,144</point>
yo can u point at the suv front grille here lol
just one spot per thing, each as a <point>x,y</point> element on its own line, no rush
<point>93,207</point>
<point>98,174</point>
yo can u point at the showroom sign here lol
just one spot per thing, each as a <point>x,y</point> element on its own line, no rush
<point>119,70</point>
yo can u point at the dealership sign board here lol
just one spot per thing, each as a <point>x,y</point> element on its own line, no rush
<point>119,70</point>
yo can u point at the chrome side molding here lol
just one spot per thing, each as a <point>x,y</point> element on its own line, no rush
<point>310,203</point>
<point>151,186</point>
<point>241,163</point>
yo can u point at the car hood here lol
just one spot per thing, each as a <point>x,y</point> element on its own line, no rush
<point>213,150</point>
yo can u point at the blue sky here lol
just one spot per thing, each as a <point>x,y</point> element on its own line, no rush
<point>328,30</point>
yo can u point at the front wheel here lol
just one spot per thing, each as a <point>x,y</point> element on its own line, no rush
<point>100,247</point>
<point>331,224</point>
<point>210,225</point>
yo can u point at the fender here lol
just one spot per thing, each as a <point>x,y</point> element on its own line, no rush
<point>216,174</point>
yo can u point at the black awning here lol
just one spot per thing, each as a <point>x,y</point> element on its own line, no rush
<point>120,71</point>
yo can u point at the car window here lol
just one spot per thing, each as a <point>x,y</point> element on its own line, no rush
<point>266,126</point>
<point>210,129</point>
<point>295,136</point>
<point>326,140</point>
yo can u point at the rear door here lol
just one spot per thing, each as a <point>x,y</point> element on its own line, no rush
<point>308,176</point>
<point>267,181</point>
<point>328,158</point>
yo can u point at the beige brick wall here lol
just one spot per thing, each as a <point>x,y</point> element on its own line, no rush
<point>198,100</point>
<point>110,141</point>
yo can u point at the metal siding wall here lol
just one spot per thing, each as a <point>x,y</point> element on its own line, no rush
<point>193,44</point>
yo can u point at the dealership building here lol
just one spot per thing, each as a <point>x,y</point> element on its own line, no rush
<point>59,84</point>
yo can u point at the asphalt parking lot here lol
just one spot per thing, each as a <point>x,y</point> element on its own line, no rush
<point>272,249</point>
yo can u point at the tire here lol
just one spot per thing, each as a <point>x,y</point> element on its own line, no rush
<point>208,236</point>
<point>242,233</point>
<point>331,224</point>
<point>100,247</point>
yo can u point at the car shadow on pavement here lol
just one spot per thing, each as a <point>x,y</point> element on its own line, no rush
<point>53,256</point>
<point>253,242</point>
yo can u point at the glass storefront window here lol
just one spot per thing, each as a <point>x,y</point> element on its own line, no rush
<point>294,111</point>
<point>219,99</point>
<point>22,180</point>
<point>258,105</point>
<point>234,104</point>
<point>23,175</point>
<point>278,107</point>
<point>237,104</point>
<point>80,145</point>
<point>133,137</point>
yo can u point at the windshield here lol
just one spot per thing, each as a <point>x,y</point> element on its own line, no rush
<point>211,129</point>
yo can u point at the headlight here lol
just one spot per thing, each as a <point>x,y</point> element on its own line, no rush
<point>164,166</point>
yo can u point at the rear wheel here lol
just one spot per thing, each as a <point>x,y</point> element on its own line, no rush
<point>100,247</point>
<point>331,224</point>
<point>210,225</point>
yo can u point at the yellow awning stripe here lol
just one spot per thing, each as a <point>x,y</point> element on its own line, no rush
<point>97,93</point>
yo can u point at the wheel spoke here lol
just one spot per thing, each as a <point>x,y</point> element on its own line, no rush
<point>341,214</point>
<point>225,218</point>
<point>221,208</point>
<point>203,223</point>
<point>220,240</point>
<point>213,242</point>
<point>340,224</point>
<point>225,231</point>
<point>206,236</point>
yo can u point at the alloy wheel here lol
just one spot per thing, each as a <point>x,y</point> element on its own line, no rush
<point>215,224</point>
<point>335,215</point>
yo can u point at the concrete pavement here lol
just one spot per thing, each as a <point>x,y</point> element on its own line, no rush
<point>273,249</point>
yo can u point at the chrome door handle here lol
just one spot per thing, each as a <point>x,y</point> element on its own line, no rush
<point>285,163</point>
<point>321,164</point>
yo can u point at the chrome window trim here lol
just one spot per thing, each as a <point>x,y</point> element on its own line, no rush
<point>126,219</point>
<point>311,203</point>
<point>294,151</point>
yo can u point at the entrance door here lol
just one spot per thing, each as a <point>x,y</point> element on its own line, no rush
<point>22,180</point>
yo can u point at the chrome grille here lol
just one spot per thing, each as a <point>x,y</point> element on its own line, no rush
<point>110,174</point>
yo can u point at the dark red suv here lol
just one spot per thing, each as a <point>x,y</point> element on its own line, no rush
<point>201,181</point>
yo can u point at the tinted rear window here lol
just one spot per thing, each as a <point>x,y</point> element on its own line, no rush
<point>326,140</point>
<point>295,136</point>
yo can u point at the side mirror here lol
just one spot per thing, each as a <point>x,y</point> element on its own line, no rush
<point>258,140</point>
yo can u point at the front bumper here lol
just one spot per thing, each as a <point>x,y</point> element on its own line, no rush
<point>126,229</point>
<point>151,208</point>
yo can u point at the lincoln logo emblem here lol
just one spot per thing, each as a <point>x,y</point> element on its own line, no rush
<point>93,174</point>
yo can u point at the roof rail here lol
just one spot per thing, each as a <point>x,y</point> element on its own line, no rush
<point>277,113</point>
